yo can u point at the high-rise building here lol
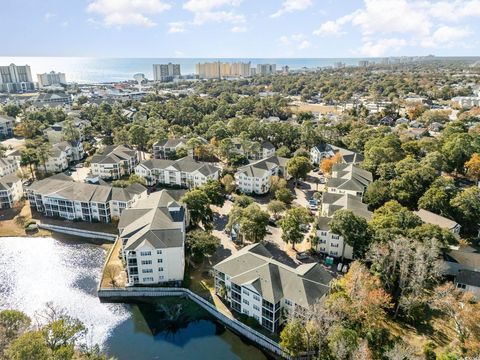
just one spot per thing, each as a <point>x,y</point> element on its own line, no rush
<point>166,72</point>
<point>266,69</point>
<point>51,78</point>
<point>15,78</point>
<point>217,70</point>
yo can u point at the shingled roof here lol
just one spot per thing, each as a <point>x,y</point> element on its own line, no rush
<point>254,266</point>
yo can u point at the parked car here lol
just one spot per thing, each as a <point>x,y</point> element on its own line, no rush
<point>312,204</point>
<point>229,197</point>
<point>78,166</point>
<point>302,256</point>
<point>272,222</point>
<point>339,267</point>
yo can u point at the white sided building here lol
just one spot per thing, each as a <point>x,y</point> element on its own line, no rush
<point>153,239</point>
<point>8,166</point>
<point>11,191</point>
<point>114,161</point>
<point>255,178</point>
<point>349,179</point>
<point>184,172</point>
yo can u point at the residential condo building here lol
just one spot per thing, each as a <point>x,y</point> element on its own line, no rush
<point>114,161</point>
<point>14,79</point>
<point>153,239</point>
<point>266,69</point>
<point>51,78</point>
<point>254,178</point>
<point>60,196</point>
<point>166,72</point>
<point>255,284</point>
<point>7,123</point>
<point>11,191</point>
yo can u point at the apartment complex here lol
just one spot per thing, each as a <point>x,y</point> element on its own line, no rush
<point>330,243</point>
<point>326,151</point>
<point>15,79</point>
<point>184,172</point>
<point>64,153</point>
<point>51,78</point>
<point>60,196</point>
<point>53,99</point>
<point>7,123</point>
<point>254,178</point>
<point>349,179</point>
<point>114,161</point>
<point>166,72</point>
<point>218,70</point>
<point>153,239</point>
<point>266,69</point>
<point>55,132</point>
<point>11,190</point>
<point>261,151</point>
<point>255,284</point>
<point>166,148</point>
<point>8,166</point>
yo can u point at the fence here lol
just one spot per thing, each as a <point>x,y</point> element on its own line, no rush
<point>79,232</point>
<point>232,324</point>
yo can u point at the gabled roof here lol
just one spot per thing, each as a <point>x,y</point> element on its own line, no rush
<point>253,266</point>
<point>350,202</point>
<point>186,164</point>
<point>348,156</point>
<point>156,221</point>
<point>171,143</point>
<point>7,181</point>
<point>113,154</point>
<point>262,167</point>
<point>468,277</point>
<point>434,219</point>
<point>349,177</point>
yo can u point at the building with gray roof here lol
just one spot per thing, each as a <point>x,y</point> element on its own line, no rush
<point>60,196</point>
<point>185,172</point>
<point>254,178</point>
<point>255,284</point>
<point>326,151</point>
<point>114,161</point>
<point>11,191</point>
<point>153,238</point>
<point>429,217</point>
<point>349,179</point>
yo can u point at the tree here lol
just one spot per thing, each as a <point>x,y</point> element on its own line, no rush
<point>292,223</point>
<point>138,136</point>
<point>13,324</point>
<point>12,110</point>
<point>457,149</point>
<point>473,167</point>
<point>393,218</point>
<point>466,207</point>
<point>29,346</point>
<point>243,201</point>
<point>44,151</point>
<point>408,269</point>
<point>298,167</point>
<point>277,183</point>
<point>198,205</point>
<point>29,158</point>
<point>438,196</point>
<point>228,183</point>
<point>253,223</point>
<point>275,207</point>
<point>353,229</point>
<point>377,194</point>
<point>111,273</point>
<point>200,245</point>
<point>464,311</point>
<point>292,338</point>
<point>381,150</point>
<point>342,341</point>
<point>284,195</point>
<point>425,232</point>
<point>283,151</point>
<point>214,191</point>
<point>327,163</point>
<point>69,131</point>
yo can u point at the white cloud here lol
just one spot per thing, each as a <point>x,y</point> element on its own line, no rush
<point>238,29</point>
<point>389,25</point>
<point>179,53</point>
<point>177,27</point>
<point>127,12</point>
<point>382,47</point>
<point>214,11</point>
<point>292,5</point>
<point>48,16</point>
<point>295,41</point>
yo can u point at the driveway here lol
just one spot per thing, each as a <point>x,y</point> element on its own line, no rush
<point>220,220</point>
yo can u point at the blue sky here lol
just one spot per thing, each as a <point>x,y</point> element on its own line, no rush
<point>240,28</point>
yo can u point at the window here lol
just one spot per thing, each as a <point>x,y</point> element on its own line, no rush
<point>161,277</point>
<point>145,253</point>
<point>288,302</point>
<point>148,279</point>
<point>147,271</point>
<point>255,307</point>
<point>256,297</point>
<point>160,261</point>
<point>160,269</point>
<point>335,237</point>
<point>159,252</point>
<point>245,312</point>
<point>245,301</point>
<point>461,286</point>
<point>146,262</point>
<point>246,292</point>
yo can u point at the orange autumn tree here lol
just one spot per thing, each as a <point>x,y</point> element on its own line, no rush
<point>327,163</point>
<point>360,297</point>
<point>473,167</point>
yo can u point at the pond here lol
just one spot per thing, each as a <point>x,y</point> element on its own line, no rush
<point>66,272</point>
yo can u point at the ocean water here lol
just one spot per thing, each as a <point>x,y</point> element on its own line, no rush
<point>95,70</point>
